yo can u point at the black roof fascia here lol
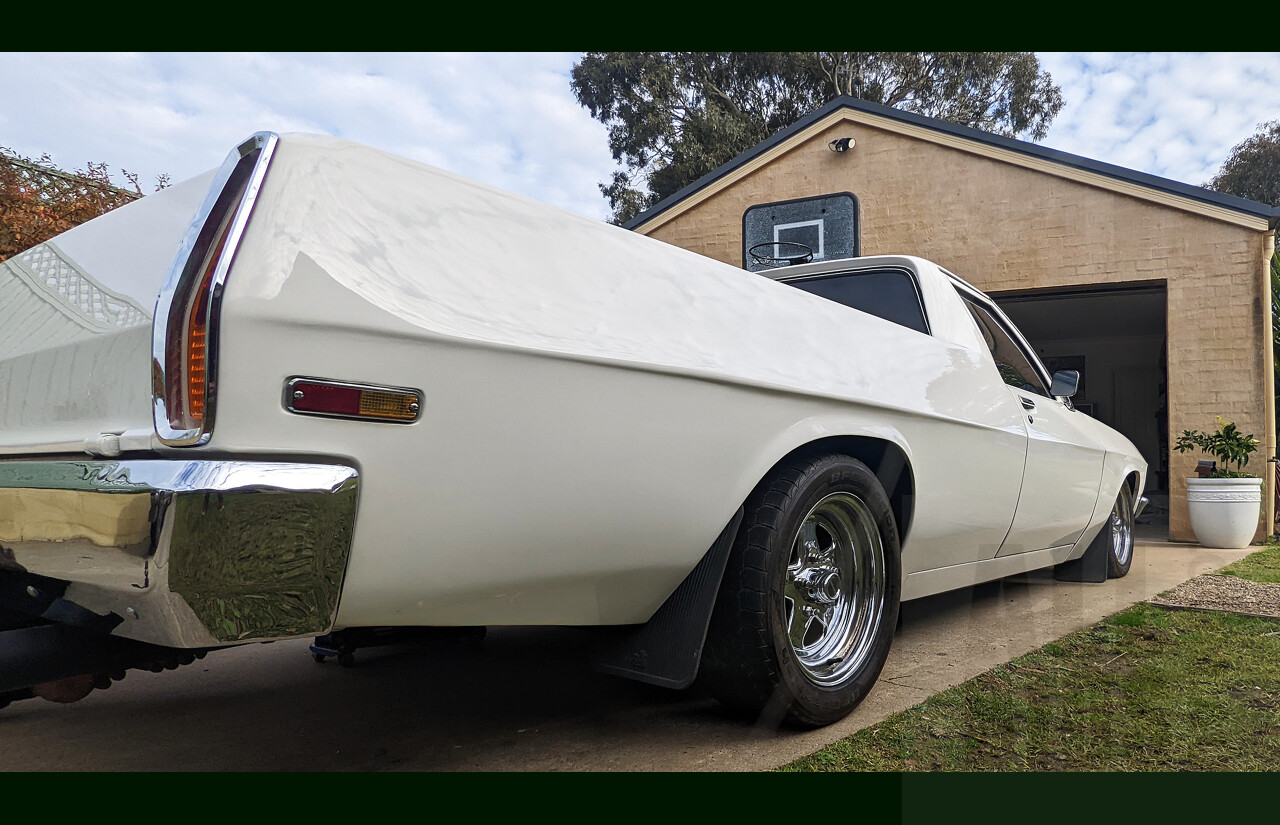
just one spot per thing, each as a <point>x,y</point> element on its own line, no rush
<point>1174,187</point>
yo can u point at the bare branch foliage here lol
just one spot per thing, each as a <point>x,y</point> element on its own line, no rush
<point>38,200</point>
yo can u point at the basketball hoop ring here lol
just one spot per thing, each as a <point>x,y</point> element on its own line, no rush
<point>802,253</point>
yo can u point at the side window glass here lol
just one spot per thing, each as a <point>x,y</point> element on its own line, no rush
<point>1014,366</point>
<point>889,294</point>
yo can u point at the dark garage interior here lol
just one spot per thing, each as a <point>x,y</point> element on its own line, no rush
<point>1115,337</point>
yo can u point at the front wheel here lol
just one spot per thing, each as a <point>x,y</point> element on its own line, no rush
<point>1120,534</point>
<point>809,600</point>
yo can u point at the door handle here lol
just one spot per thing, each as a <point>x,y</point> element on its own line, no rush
<point>1027,403</point>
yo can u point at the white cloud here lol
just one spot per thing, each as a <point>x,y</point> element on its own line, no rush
<point>1173,115</point>
<point>510,119</point>
<point>505,119</point>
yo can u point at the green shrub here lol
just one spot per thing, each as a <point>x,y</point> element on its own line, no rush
<point>1227,445</point>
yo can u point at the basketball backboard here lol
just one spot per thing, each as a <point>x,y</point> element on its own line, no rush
<point>826,225</point>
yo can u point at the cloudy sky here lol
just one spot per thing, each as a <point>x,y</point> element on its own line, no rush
<point>510,119</point>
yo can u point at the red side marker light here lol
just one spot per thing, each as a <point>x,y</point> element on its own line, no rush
<point>342,399</point>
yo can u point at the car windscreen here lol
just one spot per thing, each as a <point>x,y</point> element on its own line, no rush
<point>885,293</point>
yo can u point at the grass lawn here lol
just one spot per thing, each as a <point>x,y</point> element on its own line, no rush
<point>1145,690</point>
<point>1262,566</point>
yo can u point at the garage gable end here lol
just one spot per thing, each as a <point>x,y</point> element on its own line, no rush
<point>1174,194</point>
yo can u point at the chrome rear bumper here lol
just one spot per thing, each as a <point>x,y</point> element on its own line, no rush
<point>180,553</point>
<point>1139,506</point>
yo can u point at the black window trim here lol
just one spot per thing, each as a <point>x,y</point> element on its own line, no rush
<point>980,298</point>
<point>912,278</point>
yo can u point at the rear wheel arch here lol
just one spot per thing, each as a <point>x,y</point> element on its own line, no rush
<point>885,458</point>
<point>683,618</point>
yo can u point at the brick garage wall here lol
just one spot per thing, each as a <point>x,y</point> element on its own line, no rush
<point>1006,227</point>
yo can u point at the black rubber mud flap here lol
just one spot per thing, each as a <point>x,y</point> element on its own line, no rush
<point>1092,566</point>
<point>666,650</point>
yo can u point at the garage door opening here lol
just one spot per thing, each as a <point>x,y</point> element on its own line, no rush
<point>1116,338</point>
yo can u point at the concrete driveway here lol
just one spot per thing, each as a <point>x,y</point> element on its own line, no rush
<point>528,701</point>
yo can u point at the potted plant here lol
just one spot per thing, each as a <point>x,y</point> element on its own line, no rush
<point>1225,504</point>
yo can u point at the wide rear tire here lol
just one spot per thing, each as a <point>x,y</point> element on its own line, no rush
<point>809,601</point>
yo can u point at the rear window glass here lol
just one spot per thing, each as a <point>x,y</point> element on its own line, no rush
<point>888,294</point>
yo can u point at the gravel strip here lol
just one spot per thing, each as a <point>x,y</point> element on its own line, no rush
<point>1227,593</point>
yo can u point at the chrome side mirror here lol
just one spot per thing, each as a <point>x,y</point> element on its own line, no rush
<point>1065,383</point>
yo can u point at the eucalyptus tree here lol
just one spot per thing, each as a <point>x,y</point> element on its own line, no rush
<point>674,116</point>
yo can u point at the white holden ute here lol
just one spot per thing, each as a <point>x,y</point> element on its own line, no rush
<point>327,391</point>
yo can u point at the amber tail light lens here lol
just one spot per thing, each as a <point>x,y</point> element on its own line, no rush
<point>187,343</point>
<point>185,337</point>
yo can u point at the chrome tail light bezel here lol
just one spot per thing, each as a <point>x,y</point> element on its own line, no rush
<point>243,172</point>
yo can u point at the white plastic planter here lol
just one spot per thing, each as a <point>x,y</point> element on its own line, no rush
<point>1224,511</point>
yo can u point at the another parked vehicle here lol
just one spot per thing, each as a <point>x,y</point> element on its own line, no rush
<point>359,392</point>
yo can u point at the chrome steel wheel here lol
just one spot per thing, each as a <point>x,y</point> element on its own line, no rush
<point>833,599</point>
<point>809,600</point>
<point>1121,529</point>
